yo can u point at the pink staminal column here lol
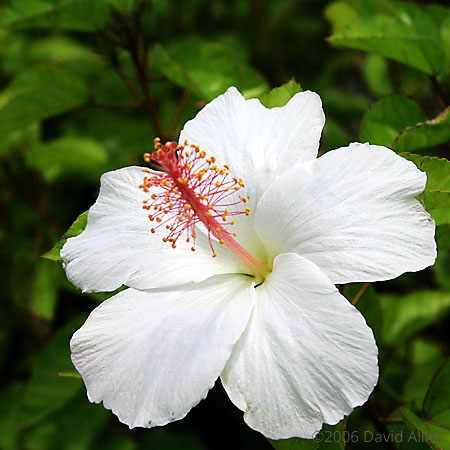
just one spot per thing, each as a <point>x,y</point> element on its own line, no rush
<point>191,188</point>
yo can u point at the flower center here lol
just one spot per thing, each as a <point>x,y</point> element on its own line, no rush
<point>192,188</point>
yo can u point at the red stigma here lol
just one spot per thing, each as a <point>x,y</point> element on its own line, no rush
<point>190,188</point>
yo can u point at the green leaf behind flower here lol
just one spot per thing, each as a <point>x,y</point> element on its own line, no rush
<point>75,229</point>
<point>279,96</point>
<point>207,69</point>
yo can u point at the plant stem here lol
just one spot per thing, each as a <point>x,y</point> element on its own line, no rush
<point>361,292</point>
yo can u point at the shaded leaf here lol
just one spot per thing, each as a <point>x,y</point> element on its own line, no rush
<point>207,69</point>
<point>437,399</point>
<point>46,392</point>
<point>80,15</point>
<point>44,293</point>
<point>279,96</point>
<point>437,437</point>
<point>38,93</point>
<point>75,229</point>
<point>408,314</point>
<point>339,14</point>
<point>66,155</point>
<point>388,117</point>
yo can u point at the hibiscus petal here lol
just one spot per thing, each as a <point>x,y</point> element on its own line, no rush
<point>257,143</point>
<point>151,356</point>
<point>118,248</point>
<point>306,358</point>
<point>353,212</point>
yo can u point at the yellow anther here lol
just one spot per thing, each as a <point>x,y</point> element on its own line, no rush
<point>152,230</point>
<point>214,255</point>
<point>218,230</point>
<point>244,199</point>
<point>193,249</point>
<point>218,184</point>
<point>194,235</point>
<point>202,154</point>
<point>222,242</point>
<point>226,166</point>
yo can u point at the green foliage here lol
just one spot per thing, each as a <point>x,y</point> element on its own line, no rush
<point>87,85</point>
<point>425,134</point>
<point>81,15</point>
<point>437,190</point>
<point>387,118</point>
<point>46,391</point>
<point>403,31</point>
<point>75,229</point>
<point>279,96</point>
<point>71,155</point>
<point>206,69</point>
<point>38,93</point>
<point>407,314</point>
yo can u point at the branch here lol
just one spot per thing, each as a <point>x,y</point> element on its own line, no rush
<point>361,292</point>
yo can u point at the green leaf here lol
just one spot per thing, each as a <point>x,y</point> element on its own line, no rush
<point>339,14</point>
<point>279,96</point>
<point>75,229</point>
<point>11,397</point>
<point>207,69</point>
<point>67,155</point>
<point>437,190</point>
<point>38,93</point>
<point>424,134</point>
<point>375,71</point>
<point>46,392</point>
<point>44,292</point>
<point>388,117</point>
<point>437,399</point>
<point>437,437</point>
<point>80,15</point>
<point>405,315</point>
<point>406,33</point>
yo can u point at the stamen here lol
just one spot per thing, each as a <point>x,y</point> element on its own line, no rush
<point>191,189</point>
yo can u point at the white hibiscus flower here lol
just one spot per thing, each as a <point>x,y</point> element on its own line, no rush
<point>264,315</point>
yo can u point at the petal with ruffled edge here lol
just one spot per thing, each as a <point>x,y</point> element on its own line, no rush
<point>353,212</point>
<point>306,358</point>
<point>257,143</point>
<point>151,356</point>
<point>117,247</point>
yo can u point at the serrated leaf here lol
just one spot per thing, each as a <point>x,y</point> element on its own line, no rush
<point>279,96</point>
<point>46,392</point>
<point>424,134</point>
<point>405,32</point>
<point>67,155</point>
<point>405,315</point>
<point>80,15</point>
<point>437,399</point>
<point>38,93</point>
<point>75,229</point>
<point>207,69</point>
<point>435,436</point>
<point>388,117</point>
<point>437,190</point>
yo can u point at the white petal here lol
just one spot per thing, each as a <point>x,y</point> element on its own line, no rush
<point>118,248</point>
<point>152,356</point>
<point>258,143</point>
<point>352,212</point>
<point>306,358</point>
